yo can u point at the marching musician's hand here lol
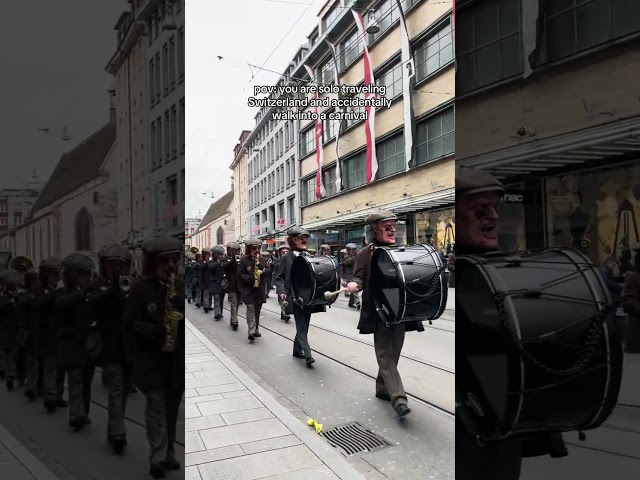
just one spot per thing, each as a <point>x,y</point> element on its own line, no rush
<point>282,297</point>
<point>353,287</point>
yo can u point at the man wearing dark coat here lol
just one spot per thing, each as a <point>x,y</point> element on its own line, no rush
<point>154,316</point>
<point>252,285</point>
<point>230,281</point>
<point>298,239</point>
<point>215,281</point>
<point>282,251</point>
<point>380,229</point>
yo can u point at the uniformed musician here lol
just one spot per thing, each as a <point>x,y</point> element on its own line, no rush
<point>230,281</point>
<point>215,281</point>
<point>252,284</point>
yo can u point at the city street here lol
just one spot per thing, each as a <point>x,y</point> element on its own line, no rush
<point>83,455</point>
<point>340,387</point>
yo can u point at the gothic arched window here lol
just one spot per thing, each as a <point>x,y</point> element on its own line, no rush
<point>220,236</point>
<point>83,230</point>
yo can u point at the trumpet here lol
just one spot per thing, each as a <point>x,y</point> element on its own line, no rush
<point>124,283</point>
<point>237,258</point>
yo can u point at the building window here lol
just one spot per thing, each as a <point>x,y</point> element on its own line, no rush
<point>327,73</point>
<point>174,131</point>
<point>83,227</point>
<point>277,145</point>
<point>153,145</point>
<point>165,68</point>
<point>355,171</point>
<point>308,191</point>
<point>158,78</point>
<point>329,180</point>
<point>159,141</point>
<point>282,177</point>
<point>181,44</point>
<point>291,208</point>
<point>308,142</point>
<point>393,81</point>
<point>281,212</point>
<point>167,136</point>
<point>220,236</point>
<point>286,135</point>
<point>281,143</point>
<point>288,173</point>
<point>172,61</point>
<point>328,129</point>
<point>488,55</point>
<point>331,17</point>
<point>391,157</point>
<point>434,53</point>
<point>573,26</point>
<point>182,125</point>
<point>292,178</point>
<point>350,48</point>
<point>435,137</point>
<point>353,121</point>
<point>152,82</point>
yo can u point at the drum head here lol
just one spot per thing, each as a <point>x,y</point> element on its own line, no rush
<point>312,277</point>
<point>408,283</point>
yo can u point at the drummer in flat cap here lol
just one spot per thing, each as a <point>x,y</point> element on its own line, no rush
<point>47,334</point>
<point>154,314</point>
<point>230,280</point>
<point>380,230</point>
<point>107,301</point>
<point>74,326</point>
<point>282,251</point>
<point>298,239</point>
<point>252,285</point>
<point>478,199</point>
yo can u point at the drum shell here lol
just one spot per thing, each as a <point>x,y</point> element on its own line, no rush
<point>312,276</point>
<point>408,283</point>
<point>501,392</point>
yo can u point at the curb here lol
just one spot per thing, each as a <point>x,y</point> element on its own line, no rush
<point>324,452</point>
<point>28,461</point>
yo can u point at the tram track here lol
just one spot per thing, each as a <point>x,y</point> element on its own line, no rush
<point>415,398</point>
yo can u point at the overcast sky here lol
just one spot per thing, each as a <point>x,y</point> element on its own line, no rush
<point>242,31</point>
<point>53,57</point>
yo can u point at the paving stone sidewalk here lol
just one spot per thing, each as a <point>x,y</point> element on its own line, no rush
<point>17,463</point>
<point>235,430</point>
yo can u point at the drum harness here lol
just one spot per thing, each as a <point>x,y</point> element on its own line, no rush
<point>593,336</point>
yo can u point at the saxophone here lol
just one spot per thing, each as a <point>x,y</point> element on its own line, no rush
<point>256,277</point>
<point>172,319</point>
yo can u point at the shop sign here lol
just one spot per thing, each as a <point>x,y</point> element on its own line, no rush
<point>516,196</point>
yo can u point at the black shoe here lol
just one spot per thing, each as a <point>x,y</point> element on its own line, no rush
<point>87,421</point>
<point>286,318</point>
<point>402,409</point>
<point>118,443</point>
<point>383,396</point>
<point>61,403</point>
<point>188,300</point>
<point>217,317</point>
<point>197,305</point>
<point>298,355</point>
<point>171,464</point>
<point>30,394</point>
<point>252,339</point>
<point>50,405</point>
<point>257,335</point>
<point>77,424</point>
<point>234,326</point>
<point>309,361</point>
<point>157,470</point>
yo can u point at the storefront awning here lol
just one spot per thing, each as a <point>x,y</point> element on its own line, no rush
<point>407,205</point>
<point>572,149</point>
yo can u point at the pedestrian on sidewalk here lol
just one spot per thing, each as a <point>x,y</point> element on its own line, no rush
<point>252,284</point>
<point>230,281</point>
<point>631,304</point>
<point>154,316</point>
<point>282,251</point>
<point>380,230</point>
<point>298,239</point>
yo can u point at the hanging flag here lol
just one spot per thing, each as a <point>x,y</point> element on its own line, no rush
<point>337,124</point>
<point>408,82</point>
<point>369,123</point>
<point>320,191</point>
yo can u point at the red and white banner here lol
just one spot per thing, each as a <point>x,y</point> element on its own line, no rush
<point>369,123</point>
<point>408,82</point>
<point>320,191</point>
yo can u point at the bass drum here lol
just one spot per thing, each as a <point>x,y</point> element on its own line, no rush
<point>312,277</point>
<point>537,349</point>
<point>408,283</point>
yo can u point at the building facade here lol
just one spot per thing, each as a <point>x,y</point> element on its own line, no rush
<point>239,170</point>
<point>273,170</point>
<point>566,143</point>
<point>165,107</point>
<point>218,225</point>
<point>190,227</point>
<point>16,203</point>
<point>414,139</point>
<point>130,95</point>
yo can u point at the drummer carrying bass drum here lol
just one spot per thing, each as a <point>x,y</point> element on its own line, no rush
<point>478,198</point>
<point>298,240</point>
<point>380,230</point>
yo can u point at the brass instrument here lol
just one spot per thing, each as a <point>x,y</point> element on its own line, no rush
<point>124,282</point>
<point>172,319</point>
<point>194,250</point>
<point>256,277</point>
<point>21,264</point>
<point>237,258</point>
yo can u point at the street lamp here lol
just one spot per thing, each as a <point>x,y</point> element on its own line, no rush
<point>373,23</point>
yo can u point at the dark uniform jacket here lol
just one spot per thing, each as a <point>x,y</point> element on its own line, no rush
<point>631,304</point>
<point>246,278</point>
<point>215,277</point>
<point>26,337</point>
<point>74,325</point>
<point>46,322</point>
<point>230,271</point>
<point>284,285</point>
<point>107,303</point>
<point>8,321</point>
<point>368,317</point>
<point>154,370</point>
<point>346,266</point>
<point>189,273</point>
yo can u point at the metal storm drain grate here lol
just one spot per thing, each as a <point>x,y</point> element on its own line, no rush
<point>353,438</point>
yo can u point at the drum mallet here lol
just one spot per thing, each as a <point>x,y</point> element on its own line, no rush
<point>330,295</point>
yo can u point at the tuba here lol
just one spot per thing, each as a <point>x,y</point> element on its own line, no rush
<point>194,250</point>
<point>21,264</point>
<point>172,319</point>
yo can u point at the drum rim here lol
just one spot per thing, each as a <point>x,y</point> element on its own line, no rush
<point>308,259</point>
<point>597,290</point>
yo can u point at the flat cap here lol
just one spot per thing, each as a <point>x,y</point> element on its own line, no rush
<point>325,246</point>
<point>115,252</point>
<point>344,250</point>
<point>351,246</point>
<point>281,247</point>
<point>78,262</point>
<point>162,245</point>
<point>218,250</point>
<point>206,250</point>
<point>50,265</point>
<point>233,245</point>
<point>270,249</point>
<point>470,181</point>
<point>311,250</point>
<point>265,254</point>
<point>296,231</point>
<point>253,242</point>
<point>380,215</point>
